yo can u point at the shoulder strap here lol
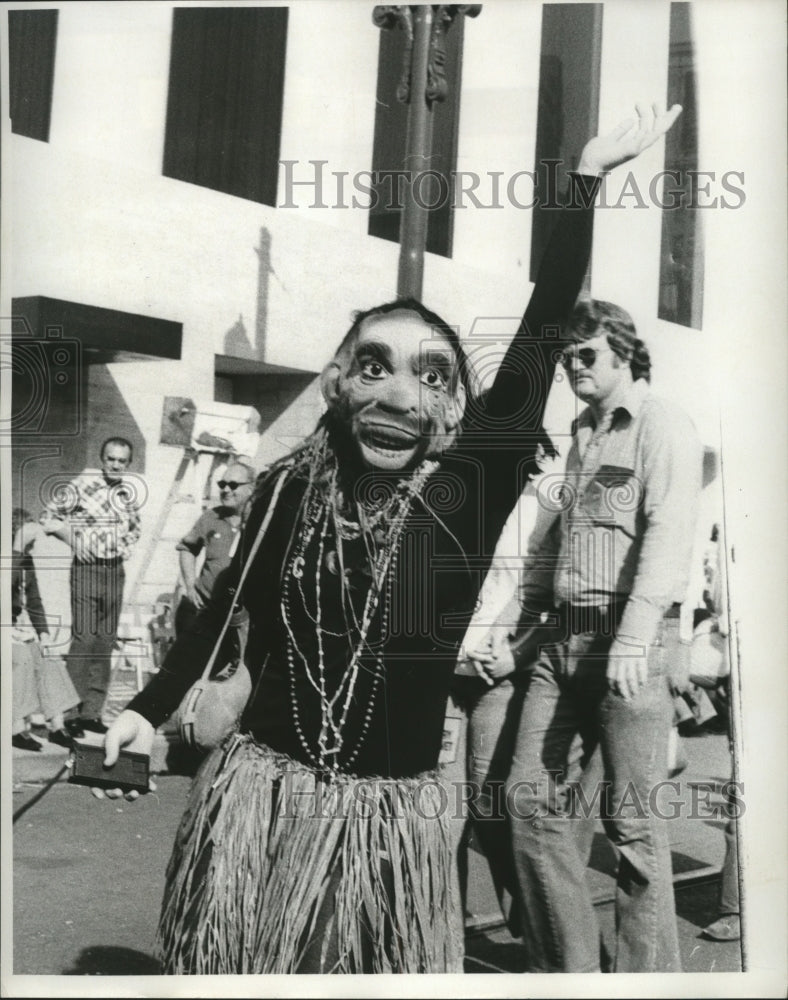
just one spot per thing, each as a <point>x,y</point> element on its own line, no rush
<point>249,559</point>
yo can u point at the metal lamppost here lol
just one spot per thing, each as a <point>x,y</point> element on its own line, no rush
<point>423,83</point>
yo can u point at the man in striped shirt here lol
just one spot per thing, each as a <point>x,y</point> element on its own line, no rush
<point>97,514</point>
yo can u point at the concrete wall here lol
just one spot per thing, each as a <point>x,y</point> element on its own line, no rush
<point>93,220</point>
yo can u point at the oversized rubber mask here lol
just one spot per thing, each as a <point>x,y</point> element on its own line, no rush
<point>394,394</point>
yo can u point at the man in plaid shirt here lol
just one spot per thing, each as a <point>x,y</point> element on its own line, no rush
<point>97,515</point>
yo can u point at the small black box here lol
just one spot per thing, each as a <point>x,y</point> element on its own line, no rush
<point>130,772</point>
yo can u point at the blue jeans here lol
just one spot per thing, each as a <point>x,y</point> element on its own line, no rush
<point>568,695</point>
<point>493,718</point>
<point>493,714</point>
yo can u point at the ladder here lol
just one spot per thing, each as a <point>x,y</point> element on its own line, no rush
<point>141,639</point>
<point>145,627</point>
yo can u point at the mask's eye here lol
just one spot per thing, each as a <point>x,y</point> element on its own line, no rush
<point>433,378</point>
<point>372,369</point>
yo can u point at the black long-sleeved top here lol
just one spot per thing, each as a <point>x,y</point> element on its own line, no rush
<point>444,552</point>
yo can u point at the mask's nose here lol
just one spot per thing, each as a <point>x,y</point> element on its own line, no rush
<point>401,394</point>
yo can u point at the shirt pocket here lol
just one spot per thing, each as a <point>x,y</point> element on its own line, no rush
<point>614,495</point>
<point>215,544</point>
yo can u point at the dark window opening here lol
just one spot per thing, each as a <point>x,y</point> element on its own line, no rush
<point>388,152</point>
<point>568,107</point>
<point>224,108</point>
<point>681,250</point>
<point>32,38</point>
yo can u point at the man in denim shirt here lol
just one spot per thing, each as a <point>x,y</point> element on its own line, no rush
<point>611,578</point>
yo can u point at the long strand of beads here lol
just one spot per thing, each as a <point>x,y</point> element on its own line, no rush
<point>350,676</point>
<point>321,665</point>
<point>384,572</point>
<point>384,568</point>
<point>374,592</point>
<point>319,510</point>
<point>389,562</point>
<point>290,645</point>
<point>377,674</point>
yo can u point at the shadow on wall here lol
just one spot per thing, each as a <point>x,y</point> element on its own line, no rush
<point>48,390</point>
<point>69,439</point>
<point>237,342</point>
<point>108,414</point>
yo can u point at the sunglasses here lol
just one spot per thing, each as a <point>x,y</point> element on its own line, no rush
<point>230,484</point>
<point>585,355</point>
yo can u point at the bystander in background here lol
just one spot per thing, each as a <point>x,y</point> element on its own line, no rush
<point>40,682</point>
<point>214,536</point>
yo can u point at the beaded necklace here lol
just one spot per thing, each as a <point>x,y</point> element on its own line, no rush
<point>325,511</point>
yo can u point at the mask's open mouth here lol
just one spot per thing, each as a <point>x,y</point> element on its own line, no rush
<point>387,446</point>
<point>387,438</point>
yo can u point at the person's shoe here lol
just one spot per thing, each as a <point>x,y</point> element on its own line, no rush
<point>63,738</point>
<point>24,741</point>
<point>725,928</point>
<point>74,728</point>
<point>679,766</point>
<point>93,726</point>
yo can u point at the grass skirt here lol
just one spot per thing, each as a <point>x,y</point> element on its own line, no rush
<point>276,869</point>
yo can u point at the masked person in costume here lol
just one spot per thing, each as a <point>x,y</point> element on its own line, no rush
<point>316,837</point>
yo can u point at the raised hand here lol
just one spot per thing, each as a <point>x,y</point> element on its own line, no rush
<point>628,139</point>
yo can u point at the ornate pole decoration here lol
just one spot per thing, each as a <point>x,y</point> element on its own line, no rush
<point>423,82</point>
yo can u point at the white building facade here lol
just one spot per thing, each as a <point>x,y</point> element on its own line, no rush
<point>255,297</point>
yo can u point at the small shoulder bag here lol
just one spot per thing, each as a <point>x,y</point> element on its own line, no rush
<point>212,707</point>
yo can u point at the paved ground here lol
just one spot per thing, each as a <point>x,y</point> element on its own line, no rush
<point>88,875</point>
<point>495,950</point>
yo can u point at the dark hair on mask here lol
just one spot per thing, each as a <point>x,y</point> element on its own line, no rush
<point>433,320</point>
<point>591,317</point>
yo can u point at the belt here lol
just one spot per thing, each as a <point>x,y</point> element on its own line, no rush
<point>602,617</point>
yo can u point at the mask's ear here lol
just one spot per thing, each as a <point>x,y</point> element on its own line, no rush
<point>329,381</point>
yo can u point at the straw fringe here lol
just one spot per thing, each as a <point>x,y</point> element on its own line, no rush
<point>267,853</point>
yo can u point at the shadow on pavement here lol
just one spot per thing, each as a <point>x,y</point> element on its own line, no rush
<point>180,759</point>
<point>108,961</point>
<point>494,951</point>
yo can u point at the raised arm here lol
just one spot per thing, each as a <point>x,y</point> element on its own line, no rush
<point>564,265</point>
